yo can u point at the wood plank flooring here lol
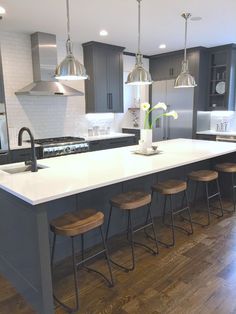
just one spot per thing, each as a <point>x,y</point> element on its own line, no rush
<point>197,276</point>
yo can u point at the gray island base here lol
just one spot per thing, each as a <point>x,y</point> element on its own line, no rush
<point>29,202</point>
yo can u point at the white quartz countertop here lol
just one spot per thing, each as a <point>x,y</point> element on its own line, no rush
<point>72,174</point>
<point>211,132</point>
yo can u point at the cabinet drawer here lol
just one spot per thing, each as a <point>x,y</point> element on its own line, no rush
<point>111,143</point>
<point>24,154</point>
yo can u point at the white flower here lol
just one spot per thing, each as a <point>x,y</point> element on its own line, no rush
<point>145,106</point>
<point>173,114</point>
<point>160,105</point>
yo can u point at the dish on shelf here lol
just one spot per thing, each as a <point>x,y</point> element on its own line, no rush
<point>220,88</point>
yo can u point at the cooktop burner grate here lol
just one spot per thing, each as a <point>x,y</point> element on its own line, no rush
<point>59,140</point>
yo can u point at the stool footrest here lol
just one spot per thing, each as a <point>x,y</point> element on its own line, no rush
<point>90,257</point>
<point>143,227</point>
<point>213,195</point>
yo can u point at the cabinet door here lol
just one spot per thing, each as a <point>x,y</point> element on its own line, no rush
<point>175,65</point>
<point>120,142</point>
<point>100,79</point>
<point>115,81</point>
<point>159,68</point>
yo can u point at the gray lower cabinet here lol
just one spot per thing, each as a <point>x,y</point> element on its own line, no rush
<point>206,137</point>
<point>104,89</point>
<point>4,158</point>
<point>112,143</point>
<point>136,133</point>
<point>24,154</point>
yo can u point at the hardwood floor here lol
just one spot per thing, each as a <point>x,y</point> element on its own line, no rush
<point>197,276</point>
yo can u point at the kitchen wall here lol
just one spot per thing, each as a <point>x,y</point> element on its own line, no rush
<point>50,116</point>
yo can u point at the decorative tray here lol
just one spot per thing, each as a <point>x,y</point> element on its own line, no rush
<point>154,152</point>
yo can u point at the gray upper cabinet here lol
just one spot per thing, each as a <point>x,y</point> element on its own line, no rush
<point>104,89</point>
<point>165,66</point>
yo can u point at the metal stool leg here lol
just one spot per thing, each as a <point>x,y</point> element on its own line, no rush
<point>130,227</point>
<point>75,275</point>
<point>67,308</point>
<point>130,233</point>
<point>109,221</point>
<point>195,193</point>
<point>220,200</point>
<point>172,222</point>
<point>208,204</point>
<point>153,229</point>
<point>233,192</point>
<point>189,212</point>
<point>111,282</point>
<point>90,269</point>
<point>164,211</point>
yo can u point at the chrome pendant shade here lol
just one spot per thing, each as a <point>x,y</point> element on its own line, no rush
<point>70,68</point>
<point>185,79</point>
<point>139,75</point>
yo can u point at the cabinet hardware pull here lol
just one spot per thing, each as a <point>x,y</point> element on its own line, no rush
<point>108,100</point>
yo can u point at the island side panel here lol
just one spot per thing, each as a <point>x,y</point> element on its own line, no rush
<point>25,251</point>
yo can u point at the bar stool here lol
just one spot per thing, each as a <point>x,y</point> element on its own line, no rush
<point>231,169</point>
<point>77,224</point>
<point>170,188</point>
<point>206,177</point>
<point>129,202</point>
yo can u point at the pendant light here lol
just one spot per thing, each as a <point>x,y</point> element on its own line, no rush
<point>185,79</point>
<point>139,76</point>
<point>70,68</point>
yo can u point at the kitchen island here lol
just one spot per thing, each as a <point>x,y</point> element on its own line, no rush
<point>30,200</point>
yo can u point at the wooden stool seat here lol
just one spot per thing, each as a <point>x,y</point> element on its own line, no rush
<point>131,200</point>
<point>76,223</point>
<point>170,187</point>
<point>203,175</point>
<point>226,167</point>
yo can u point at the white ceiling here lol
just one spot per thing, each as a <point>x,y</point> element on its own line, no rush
<point>161,21</point>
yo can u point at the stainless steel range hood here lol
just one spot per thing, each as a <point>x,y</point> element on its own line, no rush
<point>44,57</point>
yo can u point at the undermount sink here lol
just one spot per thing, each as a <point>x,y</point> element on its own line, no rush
<point>20,169</point>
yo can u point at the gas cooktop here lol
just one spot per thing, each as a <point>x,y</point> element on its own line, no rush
<point>59,140</point>
<point>57,146</point>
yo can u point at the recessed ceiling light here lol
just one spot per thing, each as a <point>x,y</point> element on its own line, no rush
<point>103,32</point>
<point>2,10</point>
<point>196,18</point>
<point>162,46</point>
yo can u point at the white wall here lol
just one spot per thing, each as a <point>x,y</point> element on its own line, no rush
<point>48,116</point>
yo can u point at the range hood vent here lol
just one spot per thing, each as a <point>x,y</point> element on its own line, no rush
<point>44,57</point>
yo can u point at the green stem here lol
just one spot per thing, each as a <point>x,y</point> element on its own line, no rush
<point>146,123</point>
<point>158,117</point>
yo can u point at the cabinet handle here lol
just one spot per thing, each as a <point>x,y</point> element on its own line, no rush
<point>111,102</point>
<point>108,99</point>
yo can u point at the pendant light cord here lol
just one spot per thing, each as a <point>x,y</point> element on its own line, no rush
<point>185,40</point>
<point>139,26</point>
<point>68,18</point>
<point>186,16</point>
<point>68,42</point>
